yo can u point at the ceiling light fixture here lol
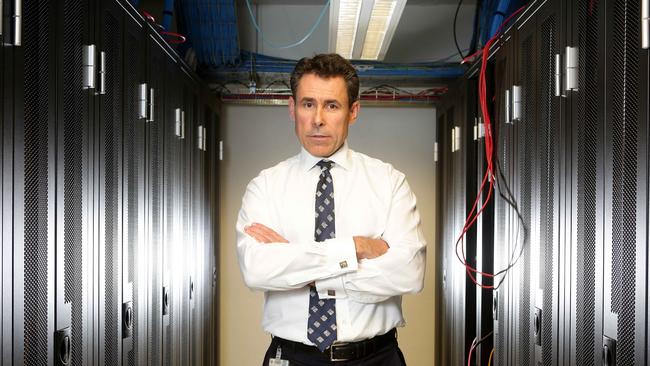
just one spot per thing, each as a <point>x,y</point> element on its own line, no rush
<point>363,29</point>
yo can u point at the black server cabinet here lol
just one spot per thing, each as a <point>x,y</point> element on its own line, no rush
<point>444,169</point>
<point>103,202</point>
<point>484,226</point>
<point>503,160</point>
<point>625,186</point>
<point>34,246</point>
<point>74,241</point>
<point>439,159</point>
<point>457,157</point>
<point>211,178</point>
<point>521,295</point>
<point>586,122</point>
<point>159,60</point>
<point>134,285</point>
<point>6,184</point>
<point>171,224</point>
<point>110,121</point>
<point>197,268</point>
<point>550,326</point>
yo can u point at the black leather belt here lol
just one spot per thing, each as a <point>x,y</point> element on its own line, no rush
<point>342,351</point>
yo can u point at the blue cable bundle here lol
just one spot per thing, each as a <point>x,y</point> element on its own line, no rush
<point>211,27</point>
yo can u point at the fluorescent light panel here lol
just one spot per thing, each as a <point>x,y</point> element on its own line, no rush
<point>363,29</point>
<point>348,21</point>
<point>380,19</point>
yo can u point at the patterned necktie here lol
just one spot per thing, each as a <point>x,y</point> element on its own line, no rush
<point>321,327</point>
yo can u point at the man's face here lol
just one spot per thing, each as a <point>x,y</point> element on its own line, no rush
<point>322,114</point>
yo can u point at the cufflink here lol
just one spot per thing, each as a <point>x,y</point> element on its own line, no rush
<point>343,264</point>
<point>331,293</point>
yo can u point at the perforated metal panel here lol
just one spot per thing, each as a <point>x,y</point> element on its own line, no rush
<point>37,104</point>
<point>547,142</point>
<point>501,239</point>
<point>75,114</point>
<point>171,202</point>
<point>133,153</point>
<point>624,130</point>
<point>526,128</point>
<point>589,126</point>
<point>155,146</point>
<point>112,113</point>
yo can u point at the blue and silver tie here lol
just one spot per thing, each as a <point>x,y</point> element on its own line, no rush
<point>321,328</point>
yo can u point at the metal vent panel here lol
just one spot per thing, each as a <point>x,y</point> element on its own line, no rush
<point>588,126</point>
<point>38,210</point>
<point>547,142</point>
<point>624,94</point>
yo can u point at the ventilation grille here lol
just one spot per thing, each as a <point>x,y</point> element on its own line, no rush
<point>112,123</point>
<point>185,184</point>
<point>624,118</point>
<point>588,123</point>
<point>500,245</point>
<point>548,116</point>
<point>75,113</point>
<point>526,146</point>
<point>171,166</point>
<point>156,212</point>
<point>37,30</point>
<point>132,156</point>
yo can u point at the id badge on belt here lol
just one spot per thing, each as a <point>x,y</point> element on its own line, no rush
<point>278,361</point>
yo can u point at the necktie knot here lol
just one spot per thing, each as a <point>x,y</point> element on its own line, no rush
<point>325,165</point>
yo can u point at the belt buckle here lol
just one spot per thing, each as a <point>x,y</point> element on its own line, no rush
<point>332,351</point>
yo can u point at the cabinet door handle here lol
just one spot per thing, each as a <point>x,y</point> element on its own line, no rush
<point>645,24</point>
<point>142,101</point>
<point>88,66</point>
<point>151,105</point>
<point>18,22</point>
<point>102,73</point>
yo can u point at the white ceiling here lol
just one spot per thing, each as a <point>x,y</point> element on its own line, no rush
<point>424,32</point>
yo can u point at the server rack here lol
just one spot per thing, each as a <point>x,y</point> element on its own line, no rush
<point>133,306</point>
<point>586,111</point>
<point>74,243</point>
<point>36,279</point>
<point>159,60</point>
<point>572,137</point>
<point>626,186</point>
<point>84,188</point>
<point>503,216</point>
<point>6,183</point>
<point>457,191</point>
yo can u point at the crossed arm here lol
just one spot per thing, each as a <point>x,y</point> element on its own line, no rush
<point>366,248</point>
<point>362,268</point>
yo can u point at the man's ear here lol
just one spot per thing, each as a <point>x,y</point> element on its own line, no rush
<point>354,111</point>
<point>292,109</point>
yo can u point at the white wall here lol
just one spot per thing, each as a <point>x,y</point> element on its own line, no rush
<point>256,137</point>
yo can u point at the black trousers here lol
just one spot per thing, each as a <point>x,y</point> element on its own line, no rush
<point>390,355</point>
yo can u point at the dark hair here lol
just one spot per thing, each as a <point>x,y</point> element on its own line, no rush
<point>327,66</point>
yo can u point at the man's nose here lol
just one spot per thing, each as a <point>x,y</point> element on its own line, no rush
<point>319,120</point>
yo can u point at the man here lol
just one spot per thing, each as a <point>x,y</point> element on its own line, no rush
<point>330,235</point>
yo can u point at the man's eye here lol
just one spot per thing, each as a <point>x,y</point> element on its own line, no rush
<point>308,104</point>
<point>332,106</point>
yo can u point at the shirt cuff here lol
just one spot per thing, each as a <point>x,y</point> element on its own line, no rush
<point>344,260</point>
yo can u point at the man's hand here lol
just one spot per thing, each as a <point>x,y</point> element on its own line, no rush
<point>369,248</point>
<point>264,234</point>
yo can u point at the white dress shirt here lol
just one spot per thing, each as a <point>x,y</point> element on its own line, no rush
<point>371,199</point>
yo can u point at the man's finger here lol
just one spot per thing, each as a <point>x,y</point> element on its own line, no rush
<point>257,234</point>
<point>269,233</point>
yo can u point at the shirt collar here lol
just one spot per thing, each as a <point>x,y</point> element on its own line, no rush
<point>341,157</point>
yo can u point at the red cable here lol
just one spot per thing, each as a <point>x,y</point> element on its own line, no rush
<point>179,38</point>
<point>471,350</point>
<point>489,174</point>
